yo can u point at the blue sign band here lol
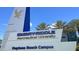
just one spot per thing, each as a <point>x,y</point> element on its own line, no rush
<point>27,20</point>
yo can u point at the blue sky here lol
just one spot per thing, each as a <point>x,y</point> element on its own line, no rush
<point>48,15</point>
<point>52,14</point>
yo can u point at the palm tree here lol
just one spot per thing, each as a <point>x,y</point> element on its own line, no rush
<point>42,26</point>
<point>60,24</point>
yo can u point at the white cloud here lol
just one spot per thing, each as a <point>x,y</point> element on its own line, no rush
<point>30,24</point>
<point>52,25</point>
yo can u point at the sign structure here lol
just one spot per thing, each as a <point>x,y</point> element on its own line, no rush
<point>40,40</point>
<point>19,37</point>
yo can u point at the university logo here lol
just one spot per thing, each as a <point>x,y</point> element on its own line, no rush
<point>18,13</point>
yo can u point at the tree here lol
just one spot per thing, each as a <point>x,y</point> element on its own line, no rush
<point>60,24</point>
<point>41,26</point>
<point>70,29</point>
<point>0,41</point>
<point>74,23</point>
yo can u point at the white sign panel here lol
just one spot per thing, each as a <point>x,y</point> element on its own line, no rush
<point>41,40</point>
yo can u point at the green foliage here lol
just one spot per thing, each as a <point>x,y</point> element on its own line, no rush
<point>0,41</point>
<point>74,22</point>
<point>60,24</point>
<point>41,26</point>
<point>77,48</point>
<point>71,26</point>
